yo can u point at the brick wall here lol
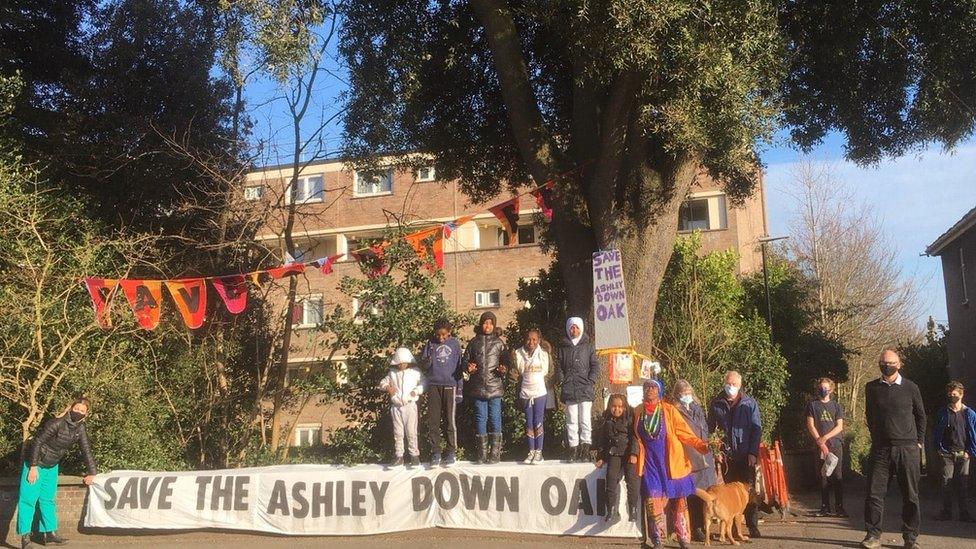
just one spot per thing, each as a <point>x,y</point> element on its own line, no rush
<point>70,503</point>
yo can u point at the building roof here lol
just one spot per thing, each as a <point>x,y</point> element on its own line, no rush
<point>954,232</point>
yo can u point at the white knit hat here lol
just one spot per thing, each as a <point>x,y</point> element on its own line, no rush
<point>401,356</point>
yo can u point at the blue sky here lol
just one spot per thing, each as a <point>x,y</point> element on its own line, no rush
<point>917,196</point>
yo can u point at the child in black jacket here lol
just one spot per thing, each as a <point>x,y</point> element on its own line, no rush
<point>615,444</point>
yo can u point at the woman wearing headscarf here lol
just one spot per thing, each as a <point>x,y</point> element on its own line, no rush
<point>577,370</point>
<point>702,465</point>
<point>39,476</point>
<point>666,480</point>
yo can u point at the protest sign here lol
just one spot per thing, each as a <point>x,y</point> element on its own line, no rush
<point>611,323</point>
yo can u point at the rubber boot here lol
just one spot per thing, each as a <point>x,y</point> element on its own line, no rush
<point>482,449</point>
<point>496,448</point>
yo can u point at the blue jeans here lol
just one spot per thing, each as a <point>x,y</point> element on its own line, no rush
<point>488,410</point>
<point>535,418</point>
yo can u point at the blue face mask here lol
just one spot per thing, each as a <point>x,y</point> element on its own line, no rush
<point>686,399</point>
<point>824,392</point>
<point>731,390</point>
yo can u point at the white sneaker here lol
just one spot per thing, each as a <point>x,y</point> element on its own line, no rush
<point>538,458</point>
<point>529,458</point>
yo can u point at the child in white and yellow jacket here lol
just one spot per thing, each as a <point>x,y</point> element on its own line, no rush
<point>404,384</point>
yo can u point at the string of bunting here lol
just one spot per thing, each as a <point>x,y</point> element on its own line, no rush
<point>189,295</point>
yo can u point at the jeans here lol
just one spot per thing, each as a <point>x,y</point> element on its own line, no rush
<point>905,464</point>
<point>535,418</point>
<point>488,415</point>
<point>955,466</point>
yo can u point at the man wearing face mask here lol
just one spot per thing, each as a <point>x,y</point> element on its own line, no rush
<point>737,415</point>
<point>955,438</point>
<point>825,423</point>
<point>896,421</point>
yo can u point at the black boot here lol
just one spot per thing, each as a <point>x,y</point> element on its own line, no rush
<point>496,448</point>
<point>52,538</point>
<point>633,513</point>
<point>482,449</point>
<point>573,456</point>
<point>584,453</point>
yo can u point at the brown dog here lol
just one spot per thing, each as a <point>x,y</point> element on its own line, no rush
<point>727,503</point>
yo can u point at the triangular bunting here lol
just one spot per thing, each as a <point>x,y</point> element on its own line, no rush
<point>145,298</point>
<point>452,226</point>
<point>543,199</point>
<point>508,213</point>
<point>325,264</point>
<point>233,290</point>
<point>101,291</point>
<point>190,296</point>
<point>418,240</point>
<point>290,269</point>
<point>371,258</point>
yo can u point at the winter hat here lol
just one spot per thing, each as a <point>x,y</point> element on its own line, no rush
<point>401,356</point>
<point>660,386</point>
<point>574,321</point>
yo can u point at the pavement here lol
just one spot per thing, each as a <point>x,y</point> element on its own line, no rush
<point>798,530</point>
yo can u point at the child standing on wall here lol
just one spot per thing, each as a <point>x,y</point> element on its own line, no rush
<point>404,384</point>
<point>441,361</point>
<point>615,445</point>
<point>533,364</point>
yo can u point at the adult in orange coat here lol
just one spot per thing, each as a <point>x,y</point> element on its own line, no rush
<point>665,471</point>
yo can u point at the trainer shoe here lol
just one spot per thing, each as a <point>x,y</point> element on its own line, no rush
<point>538,459</point>
<point>449,459</point>
<point>871,542</point>
<point>398,462</point>
<point>414,461</point>
<point>529,458</point>
<point>52,538</point>
<point>841,513</point>
<point>913,544</point>
<point>824,511</point>
<point>435,460</point>
<point>25,542</point>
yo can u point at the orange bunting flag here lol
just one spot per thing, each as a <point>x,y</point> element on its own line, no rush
<point>233,290</point>
<point>190,296</point>
<point>145,299</point>
<point>418,240</point>
<point>543,199</point>
<point>508,213</point>
<point>101,291</point>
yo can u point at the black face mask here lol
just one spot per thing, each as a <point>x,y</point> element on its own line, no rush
<point>888,370</point>
<point>75,416</point>
<point>954,399</point>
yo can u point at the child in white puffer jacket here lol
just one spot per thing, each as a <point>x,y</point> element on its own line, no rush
<point>404,384</point>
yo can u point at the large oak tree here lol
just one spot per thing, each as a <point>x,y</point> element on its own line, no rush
<point>624,103</point>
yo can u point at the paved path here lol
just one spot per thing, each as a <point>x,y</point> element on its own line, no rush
<point>796,532</point>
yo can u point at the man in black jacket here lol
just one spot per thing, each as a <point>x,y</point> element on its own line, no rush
<point>896,420</point>
<point>487,361</point>
<point>577,371</point>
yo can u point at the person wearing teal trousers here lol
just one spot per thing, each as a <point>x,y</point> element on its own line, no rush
<point>39,477</point>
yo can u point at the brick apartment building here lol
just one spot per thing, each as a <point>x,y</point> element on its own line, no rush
<point>341,208</point>
<point>957,248</point>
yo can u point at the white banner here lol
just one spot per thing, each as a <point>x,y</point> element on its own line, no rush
<point>612,325</point>
<point>562,499</point>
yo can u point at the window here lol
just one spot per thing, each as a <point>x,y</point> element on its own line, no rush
<point>487,298</point>
<point>308,434</point>
<point>426,174</point>
<point>373,183</point>
<point>703,213</point>
<point>253,192</point>
<point>336,370</point>
<point>694,215</point>
<point>307,189</point>
<point>362,307</point>
<point>526,234</point>
<point>308,312</point>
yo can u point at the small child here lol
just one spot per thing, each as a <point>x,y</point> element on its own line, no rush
<point>533,364</point>
<point>615,444</point>
<point>441,361</point>
<point>404,384</point>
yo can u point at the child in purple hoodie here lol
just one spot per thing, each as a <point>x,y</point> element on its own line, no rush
<point>441,360</point>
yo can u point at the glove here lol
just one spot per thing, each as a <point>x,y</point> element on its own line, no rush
<point>458,398</point>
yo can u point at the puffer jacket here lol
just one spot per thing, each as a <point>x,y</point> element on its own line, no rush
<point>58,436</point>
<point>577,371</point>
<point>487,352</point>
<point>615,437</point>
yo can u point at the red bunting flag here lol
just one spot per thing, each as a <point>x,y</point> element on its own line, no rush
<point>190,296</point>
<point>543,199</point>
<point>418,240</point>
<point>452,226</point>
<point>145,298</point>
<point>508,213</point>
<point>372,258</point>
<point>101,291</point>
<point>325,264</point>
<point>233,290</point>
<point>291,269</point>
